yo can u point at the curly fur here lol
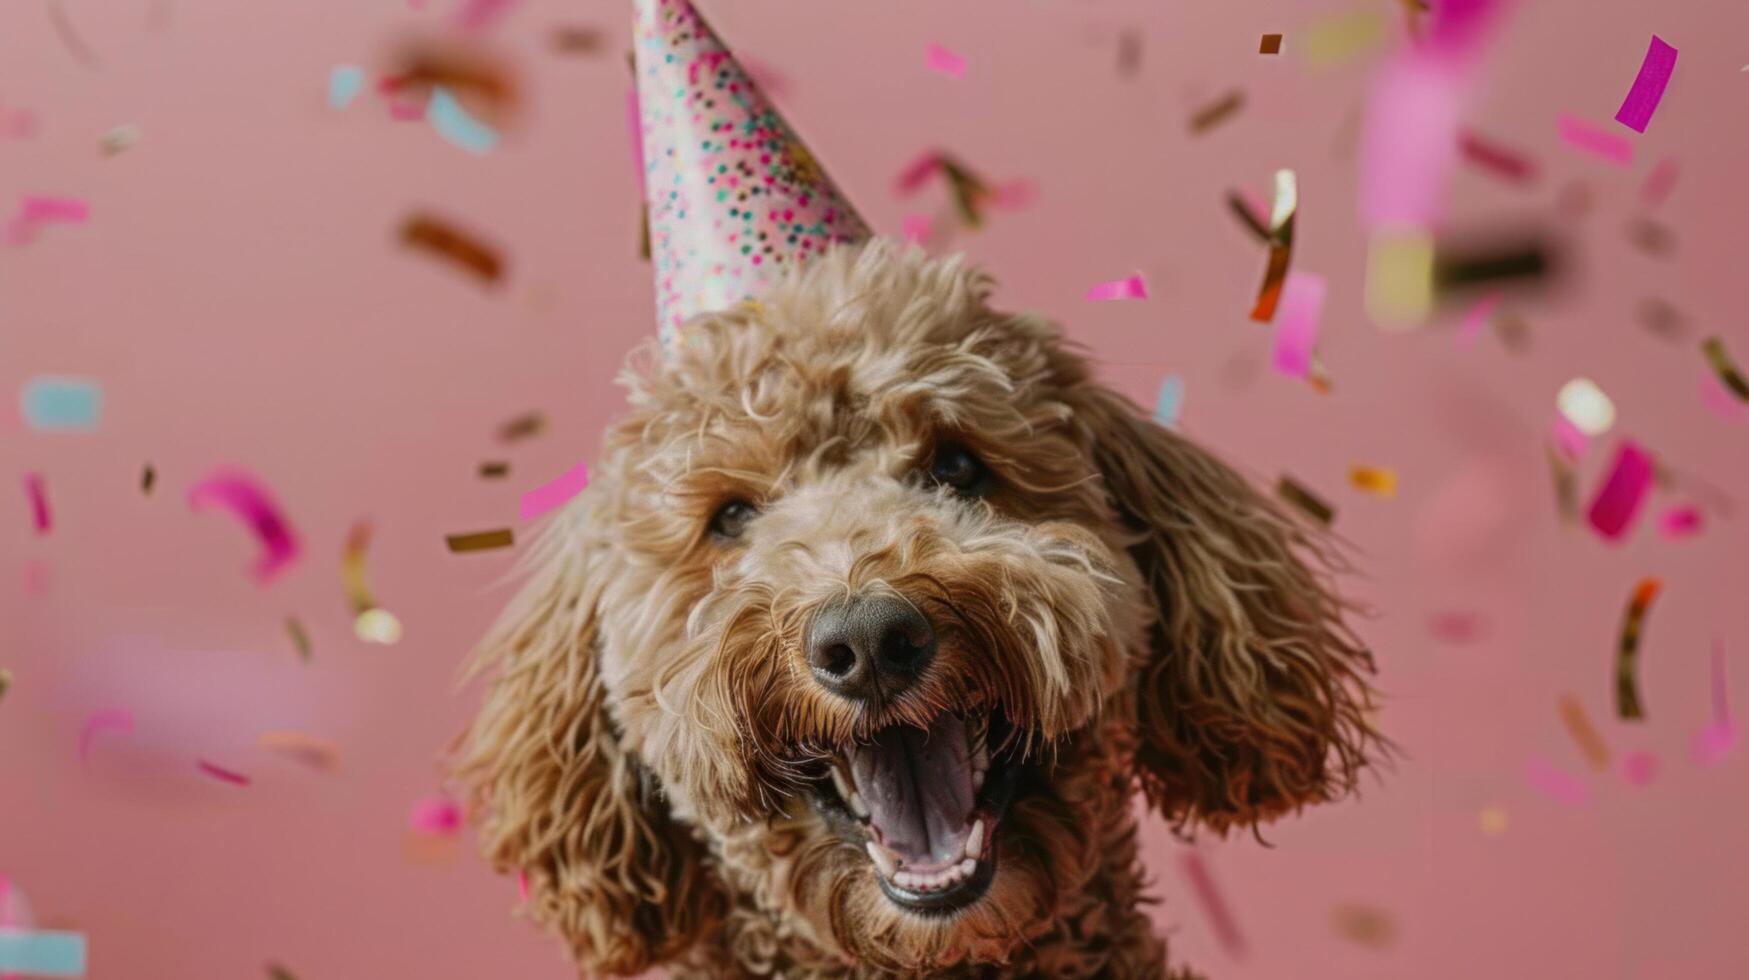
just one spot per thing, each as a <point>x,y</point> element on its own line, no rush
<point>1144,618</point>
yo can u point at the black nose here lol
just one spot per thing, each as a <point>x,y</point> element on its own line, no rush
<point>868,647</point>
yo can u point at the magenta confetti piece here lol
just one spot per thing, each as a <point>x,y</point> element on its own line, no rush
<point>1587,138</point>
<point>1556,784</point>
<point>38,492</point>
<point>1296,330</point>
<point>1213,905</point>
<point>1409,143</point>
<point>1569,441</point>
<point>1648,88</point>
<point>1719,400</point>
<point>945,61</point>
<point>634,119</point>
<point>1659,182</point>
<point>1477,318</point>
<point>1680,522</point>
<point>479,15</point>
<point>522,885</point>
<point>917,171</point>
<point>1720,735</point>
<point>1458,627</point>
<point>436,816</point>
<point>38,209</point>
<point>1618,501</point>
<point>221,774</point>
<point>1639,768</point>
<point>552,495</point>
<point>107,720</point>
<point>916,228</point>
<point>1132,288</point>
<point>241,494</point>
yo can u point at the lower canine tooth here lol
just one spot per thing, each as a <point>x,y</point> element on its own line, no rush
<point>975,840</point>
<point>883,860</point>
<point>967,866</point>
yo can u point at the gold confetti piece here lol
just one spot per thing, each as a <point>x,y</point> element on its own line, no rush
<point>1585,405</point>
<point>1566,486</point>
<point>578,39</point>
<point>1217,112</point>
<point>494,470</point>
<point>481,540</point>
<point>1399,277</point>
<point>1725,368</point>
<point>1627,683</point>
<point>370,623</point>
<point>1585,734</point>
<point>5,681</point>
<point>277,972</point>
<point>1311,504</point>
<point>1493,820</point>
<point>1379,480</point>
<point>522,427</point>
<point>1281,238</point>
<point>300,639</point>
<point>1363,924</point>
<point>447,241</point>
<point>968,191</point>
<point>317,753</point>
<point>1269,44</point>
<point>148,479</point>
<point>1241,210</point>
<point>1336,41</point>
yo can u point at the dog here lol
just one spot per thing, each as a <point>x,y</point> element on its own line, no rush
<point>876,617</point>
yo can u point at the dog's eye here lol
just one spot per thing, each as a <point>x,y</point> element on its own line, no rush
<point>955,466</point>
<point>731,519</point>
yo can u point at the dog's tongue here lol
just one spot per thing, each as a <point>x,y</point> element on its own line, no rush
<point>918,788</point>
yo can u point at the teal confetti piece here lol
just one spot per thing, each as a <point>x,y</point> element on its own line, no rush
<point>1171,401</point>
<point>42,954</point>
<point>51,404</point>
<point>453,123</point>
<point>344,84</point>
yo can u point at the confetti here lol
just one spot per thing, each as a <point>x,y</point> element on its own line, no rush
<point>1134,287</point>
<point>1269,44</point>
<point>221,774</point>
<point>1725,368</point>
<point>522,427</point>
<point>1306,501</point>
<point>1217,112</point>
<point>1129,53</point>
<point>968,191</point>
<point>1296,331</point>
<point>1170,404</point>
<point>1478,315</point>
<point>1380,481</point>
<point>480,15</point>
<point>42,954</point>
<point>1281,244</point>
<point>1662,319</point>
<point>370,623</point>
<point>944,61</point>
<point>494,470</point>
<point>1583,136</point>
<point>481,540</point>
<point>1458,627</point>
<point>344,84</point>
<point>1566,486</point>
<point>1409,143</point>
<point>436,816</point>
<point>377,626</point>
<point>5,682</point>
<point>1363,924</point>
<point>1659,183</point>
<point>554,494</point>
<point>1556,784</point>
<point>148,479</point>
<point>1247,216</point>
<point>1336,41</point>
<point>1567,439</point>
<point>277,972</point>
<point>916,228</point>
<point>439,237</point>
<point>109,719</point>
<point>1213,905</point>
<point>577,39</point>
<point>1651,237</point>
<point>52,404</point>
<point>317,753</point>
<point>1618,500</point>
<point>453,123</point>
<point>1639,768</point>
<point>1507,164</point>
<point>1680,522</point>
<point>245,497</point>
<point>300,639</point>
<point>38,492</point>
<point>1716,739</point>
<point>118,139</point>
<point>1399,277</point>
<point>1514,259</point>
<point>1719,400</point>
<point>1628,705</point>
<point>1493,820</point>
<point>1578,724</point>
<point>35,210</point>
<point>1648,88</point>
<point>1585,405</point>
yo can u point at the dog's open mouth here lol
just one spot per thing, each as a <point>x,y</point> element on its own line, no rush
<point>929,803</point>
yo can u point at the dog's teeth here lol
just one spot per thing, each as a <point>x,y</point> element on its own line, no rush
<point>975,840</point>
<point>841,784</point>
<point>967,866</point>
<point>857,806</point>
<point>905,879</point>
<point>884,861</point>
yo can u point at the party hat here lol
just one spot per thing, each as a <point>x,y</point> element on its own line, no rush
<point>735,200</point>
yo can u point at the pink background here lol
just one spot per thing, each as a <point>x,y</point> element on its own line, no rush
<point>239,294</point>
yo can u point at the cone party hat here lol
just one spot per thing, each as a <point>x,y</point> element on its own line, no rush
<point>735,200</point>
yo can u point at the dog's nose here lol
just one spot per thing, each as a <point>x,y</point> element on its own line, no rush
<point>869,646</point>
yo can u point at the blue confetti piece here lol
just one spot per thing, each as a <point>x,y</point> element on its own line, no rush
<point>453,123</point>
<point>1171,401</point>
<point>42,954</point>
<point>344,84</point>
<point>51,404</point>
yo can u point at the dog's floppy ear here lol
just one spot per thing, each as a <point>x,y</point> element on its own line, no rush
<point>1253,699</point>
<point>557,798</point>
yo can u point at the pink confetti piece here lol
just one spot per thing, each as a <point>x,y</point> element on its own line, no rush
<point>945,61</point>
<point>38,209</point>
<point>1132,288</point>
<point>1556,784</point>
<point>479,15</point>
<point>1508,164</point>
<point>1717,738</point>
<point>1458,627</point>
<point>522,886</point>
<point>107,720</point>
<point>1618,500</point>
<point>1659,182</point>
<point>1719,400</point>
<point>1011,194</point>
<point>1606,146</point>
<point>917,171</point>
<point>1569,441</point>
<point>245,497</point>
<point>221,774</point>
<point>1296,330</point>
<point>401,110</point>
<point>1220,916</point>
<point>1639,768</point>
<point>38,492</point>
<point>916,228</point>
<point>1477,318</point>
<point>635,124</point>
<point>1409,143</point>
<point>1680,522</point>
<point>554,494</point>
<point>1648,88</point>
<point>436,816</point>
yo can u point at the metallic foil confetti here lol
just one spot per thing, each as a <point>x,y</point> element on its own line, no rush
<point>1578,724</point>
<point>1217,112</point>
<point>1725,368</point>
<point>522,427</point>
<point>1628,704</point>
<point>1566,486</point>
<point>1281,245</point>
<point>370,623</point>
<point>40,517</point>
<point>1585,405</point>
<point>1363,924</point>
<point>300,639</point>
<point>221,773</point>
<point>1247,217</point>
<point>480,540</point>
<point>1507,164</point>
<point>1380,481</point>
<point>148,479</point>
<point>447,241</point>
<point>1648,88</point>
<point>1220,916</point>
<point>1269,44</point>
<point>1618,499</point>
<point>248,499</point>
<point>1307,502</point>
<point>494,470</point>
<point>317,753</point>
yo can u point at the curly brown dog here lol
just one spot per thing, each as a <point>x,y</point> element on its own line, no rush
<point>876,617</point>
